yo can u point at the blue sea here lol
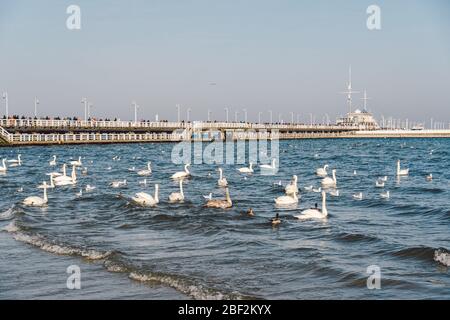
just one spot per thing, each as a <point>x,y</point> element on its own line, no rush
<point>187,251</point>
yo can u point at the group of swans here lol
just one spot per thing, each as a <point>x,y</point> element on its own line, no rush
<point>291,197</point>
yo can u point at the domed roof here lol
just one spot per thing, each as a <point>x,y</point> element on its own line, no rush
<point>357,111</point>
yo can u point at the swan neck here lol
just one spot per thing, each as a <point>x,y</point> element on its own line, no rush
<point>227,194</point>
<point>156,192</point>
<point>324,204</point>
<point>181,188</point>
<point>45,193</point>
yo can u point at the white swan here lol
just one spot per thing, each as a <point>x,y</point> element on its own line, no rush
<point>76,163</point>
<point>143,182</point>
<point>44,185</point>
<point>315,213</point>
<point>385,195</point>
<point>358,196</point>
<point>322,172</point>
<point>429,177</point>
<point>269,167</point>
<point>182,174</point>
<point>118,183</point>
<point>53,161</point>
<point>208,197</point>
<point>65,180</point>
<point>287,200</point>
<point>334,193</point>
<point>317,190</point>
<point>35,201</point>
<point>90,188</point>
<point>3,168</point>
<point>379,184</point>
<point>330,182</point>
<point>58,174</point>
<point>222,182</point>
<point>292,187</point>
<point>16,162</point>
<point>146,172</point>
<point>309,188</point>
<point>145,199</point>
<point>401,172</point>
<point>220,204</point>
<point>246,170</point>
<point>177,196</point>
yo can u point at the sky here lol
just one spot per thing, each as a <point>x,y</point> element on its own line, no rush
<point>281,55</point>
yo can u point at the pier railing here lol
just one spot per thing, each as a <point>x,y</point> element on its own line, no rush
<point>99,124</point>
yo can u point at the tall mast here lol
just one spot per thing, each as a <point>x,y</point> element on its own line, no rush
<point>365,100</point>
<point>349,91</point>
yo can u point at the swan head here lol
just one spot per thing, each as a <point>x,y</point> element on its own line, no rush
<point>326,167</point>
<point>295,177</point>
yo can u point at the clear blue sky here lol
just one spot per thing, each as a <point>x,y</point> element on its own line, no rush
<point>281,55</point>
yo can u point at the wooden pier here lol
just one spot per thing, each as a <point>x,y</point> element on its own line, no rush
<point>17,132</point>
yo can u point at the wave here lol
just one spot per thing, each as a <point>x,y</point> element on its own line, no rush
<point>355,237</point>
<point>53,247</point>
<point>440,255</point>
<point>8,214</point>
<point>185,286</point>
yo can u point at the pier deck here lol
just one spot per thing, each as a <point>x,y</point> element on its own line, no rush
<point>15,132</point>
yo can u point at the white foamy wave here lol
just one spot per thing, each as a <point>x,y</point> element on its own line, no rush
<point>7,214</point>
<point>11,227</point>
<point>114,267</point>
<point>442,257</point>
<point>57,248</point>
<point>196,291</point>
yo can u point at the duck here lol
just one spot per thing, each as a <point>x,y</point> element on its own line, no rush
<point>315,213</point>
<point>222,182</point>
<point>177,196</point>
<point>401,172</point>
<point>220,204</point>
<point>287,200</point>
<point>146,172</point>
<point>84,172</point>
<point>429,177</point>
<point>145,199</point>
<point>250,212</point>
<point>35,201</point>
<point>322,172</point>
<point>182,174</point>
<point>330,182</point>
<point>246,170</point>
<point>358,196</point>
<point>292,187</point>
<point>53,161</point>
<point>276,220</point>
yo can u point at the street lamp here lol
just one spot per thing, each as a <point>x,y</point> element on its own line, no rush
<point>245,115</point>
<point>133,104</point>
<point>179,112</point>
<point>236,116</point>
<point>259,117</point>
<point>209,115</point>
<point>90,105</point>
<point>226,110</point>
<point>188,111</point>
<point>5,96</point>
<point>271,116</point>
<point>36,102</point>
<point>84,100</point>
